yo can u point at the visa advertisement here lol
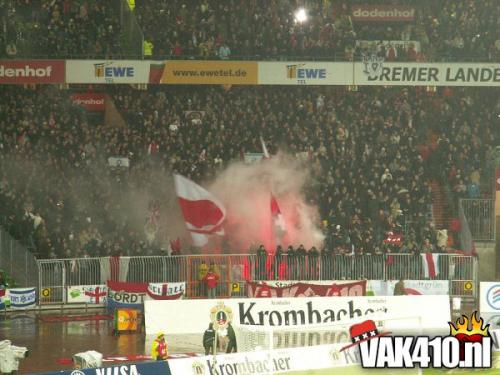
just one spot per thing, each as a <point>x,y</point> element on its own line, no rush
<point>146,368</point>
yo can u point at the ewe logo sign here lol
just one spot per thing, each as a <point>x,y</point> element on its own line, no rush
<point>304,73</point>
<point>371,72</point>
<point>98,71</point>
<point>301,73</point>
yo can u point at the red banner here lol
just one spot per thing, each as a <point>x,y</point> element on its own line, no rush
<point>383,13</point>
<point>32,71</point>
<point>262,290</point>
<point>90,101</point>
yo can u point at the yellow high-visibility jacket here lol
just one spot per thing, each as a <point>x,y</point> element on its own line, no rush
<point>159,350</point>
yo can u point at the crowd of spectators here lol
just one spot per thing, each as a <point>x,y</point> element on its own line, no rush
<point>370,171</point>
<point>61,28</point>
<point>208,29</point>
<point>444,29</point>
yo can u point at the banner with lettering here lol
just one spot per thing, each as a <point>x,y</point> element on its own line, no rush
<point>305,289</point>
<point>147,368</point>
<point>192,316</point>
<point>133,295</point>
<point>93,294</point>
<point>91,101</point>
<point>411,287</point>
<point>22,298</point>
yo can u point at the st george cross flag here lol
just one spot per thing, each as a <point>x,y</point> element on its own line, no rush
<point>430,262</point>
<point>203,212</point>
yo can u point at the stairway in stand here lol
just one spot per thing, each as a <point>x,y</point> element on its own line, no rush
<point>440,209</point>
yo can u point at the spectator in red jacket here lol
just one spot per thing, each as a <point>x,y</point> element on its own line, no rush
<point>211,279</point>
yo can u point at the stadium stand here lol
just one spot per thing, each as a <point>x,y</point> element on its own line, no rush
<point>373,153</point>
<point>257,29</point>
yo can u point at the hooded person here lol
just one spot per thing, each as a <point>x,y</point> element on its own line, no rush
<point>209,339</point>
<point>159,349</point>
<point>231,345</point>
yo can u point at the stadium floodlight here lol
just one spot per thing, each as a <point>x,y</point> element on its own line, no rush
<point>301,15</point>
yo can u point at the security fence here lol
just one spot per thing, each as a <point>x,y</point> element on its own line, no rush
<point>19,263</point>
<point>235,270</point>
<point>480,215</point>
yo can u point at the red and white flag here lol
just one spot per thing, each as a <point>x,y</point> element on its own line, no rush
<point>430,264</point>
<point>278,220</point>
<point>203,212</point>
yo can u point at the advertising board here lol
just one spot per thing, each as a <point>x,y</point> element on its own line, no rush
<point>94,102</point>
<point>376,287</point>
<point>373,71</point>
<point>263,362</point>
<point>210,72</point>
<point>193,316</point>
<point>304,73</point>
<point>489,300</point>
<point>107,71</point>
<point>382,13</point>
<point>412,287</point>
<point>31,71</point>
<point>146,368</point>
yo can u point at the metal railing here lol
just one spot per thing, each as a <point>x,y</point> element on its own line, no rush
<point>480,216</point>
<point>130,52</point>
<point>235,270</point>
<point>19,263</point>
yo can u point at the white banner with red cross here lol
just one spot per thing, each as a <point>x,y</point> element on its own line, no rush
<point>94,294</point>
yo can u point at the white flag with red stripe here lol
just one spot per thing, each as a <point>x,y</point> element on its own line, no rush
<point>430,264</point>
<point>203,212</point>
<point>264,149</point>
<point>278,220</point>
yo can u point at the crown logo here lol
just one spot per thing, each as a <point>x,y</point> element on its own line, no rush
<point>472,327</point>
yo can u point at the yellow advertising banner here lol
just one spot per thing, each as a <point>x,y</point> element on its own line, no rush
<point>126,319</point>
<point>210,72</point>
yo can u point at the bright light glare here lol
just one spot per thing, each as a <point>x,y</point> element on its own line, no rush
<point>301,15</point>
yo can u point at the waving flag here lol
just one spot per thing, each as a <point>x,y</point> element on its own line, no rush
<point>264,149</point>
<point>203,212</point>
<point>278,220</point>
<point>430,262</point>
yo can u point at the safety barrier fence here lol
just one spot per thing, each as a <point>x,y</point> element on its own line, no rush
<point>480,217</point>
<point>19,263</point>
<point>234,271</point>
